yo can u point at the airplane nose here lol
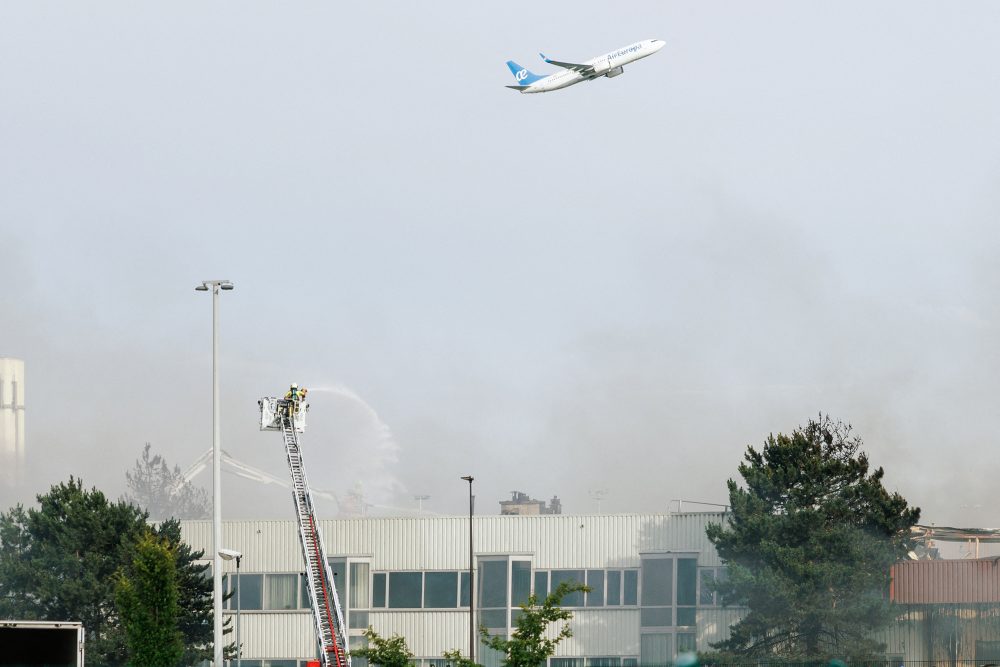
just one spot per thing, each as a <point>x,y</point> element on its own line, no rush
<point>658,44</point>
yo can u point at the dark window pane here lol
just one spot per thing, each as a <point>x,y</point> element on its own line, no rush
<point>463,590</point>
<point>493,618</point>
<point>630,588</point>
<point>304,592</point>
<point>566,662</point>
<point>280,663</point>
<point>687,581</point>
<point>685,641</point>
<point>705,595</point>
<point>574,599</point>
<point>609,661</point>
<point>657,581</point>
<point>378,589</point>
<point>630,662</point>
<point>520,582</point>
<point>656,617</point>
<point>493,585</point>
<point>405,589</point>
<point>541,585</point>
<point>440,590</point>
<point>338,567</point>
<point>595,579</point>
<point>614,588</point>
<point>685,615</point>
<point>252,593</point>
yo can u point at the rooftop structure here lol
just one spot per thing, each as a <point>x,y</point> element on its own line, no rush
<point>12,447</point>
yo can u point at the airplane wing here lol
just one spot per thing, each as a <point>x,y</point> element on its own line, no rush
<point>585,70</point>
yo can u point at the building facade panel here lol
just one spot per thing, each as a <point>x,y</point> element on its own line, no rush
<point>277,636</point>
<point>946,581</point>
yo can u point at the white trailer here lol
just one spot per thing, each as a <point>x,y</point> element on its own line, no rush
<point>37,643</point>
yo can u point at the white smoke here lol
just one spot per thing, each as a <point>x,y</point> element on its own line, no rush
<point>371,452</point>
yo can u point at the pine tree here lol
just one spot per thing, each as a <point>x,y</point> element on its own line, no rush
<point>59,562</point>
<point>809,544</point>
<point>163,492</point>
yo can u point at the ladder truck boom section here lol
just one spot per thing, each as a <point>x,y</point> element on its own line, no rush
<point>289,417</point>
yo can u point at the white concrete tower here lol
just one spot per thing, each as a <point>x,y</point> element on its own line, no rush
<point>11,418</point>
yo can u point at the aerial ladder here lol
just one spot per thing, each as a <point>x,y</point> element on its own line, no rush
<point>289,417</point>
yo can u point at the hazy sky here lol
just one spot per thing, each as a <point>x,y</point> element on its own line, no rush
<point>790,209</point>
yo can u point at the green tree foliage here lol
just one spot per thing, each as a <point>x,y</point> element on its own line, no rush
<point>59,562</point>
<point>391,652</point>
<point>146,596</point>
<point>163,492</point>
<point>528,645</point>
<point>456,659</point>
<point>809,544</point>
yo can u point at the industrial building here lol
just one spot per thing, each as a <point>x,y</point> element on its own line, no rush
<point>410,576</point>
<point>12,447</point>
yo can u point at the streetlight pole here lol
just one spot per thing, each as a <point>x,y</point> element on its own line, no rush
<point>472,588</point>
<point>216,471</point>
<point>229,554</point>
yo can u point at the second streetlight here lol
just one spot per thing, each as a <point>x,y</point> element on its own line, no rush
<point>472,587</point>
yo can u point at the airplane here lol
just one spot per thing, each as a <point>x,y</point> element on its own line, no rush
<point>609,65</point>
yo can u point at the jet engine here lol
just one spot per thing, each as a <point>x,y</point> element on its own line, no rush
<point>615,72</point>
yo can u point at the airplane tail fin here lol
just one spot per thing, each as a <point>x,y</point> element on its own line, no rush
<point>523,76</point>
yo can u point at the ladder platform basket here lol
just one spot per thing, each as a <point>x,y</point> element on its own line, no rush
<point>273,410</point>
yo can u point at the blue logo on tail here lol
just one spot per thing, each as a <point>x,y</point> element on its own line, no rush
<point>523,76</point>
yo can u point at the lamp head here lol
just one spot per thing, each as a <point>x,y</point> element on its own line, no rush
<point>468,478</point>
<point>202,288</point>
<point>229,554</point>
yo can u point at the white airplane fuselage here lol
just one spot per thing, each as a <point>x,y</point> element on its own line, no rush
<point>607,65</point>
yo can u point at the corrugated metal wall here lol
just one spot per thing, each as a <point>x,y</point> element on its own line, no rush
<point>946,581</point>
<point>442,543</point>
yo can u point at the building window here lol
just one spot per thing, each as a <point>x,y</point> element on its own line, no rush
<point>656,648</point>
<point>630,588</point>
<point>493,593</point>
<point>687,591</point>
<point>405,590</point>
<point>707,577</point>
<point>359,596</point>
<point>604,661</point>
<point>281,591</point>
<point>574,599</point>
<point>595,598</point>
<point>541,585</point>
<point>463,589</point>
<point>520,582</point>
<point>354,642</point>
<point>378,590</point>
<point>492,584</point>
<point>657,593</point>
<point>440,590</point>
<point>614,588</point>
<point>565,662</point>
<point>669,591</point>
